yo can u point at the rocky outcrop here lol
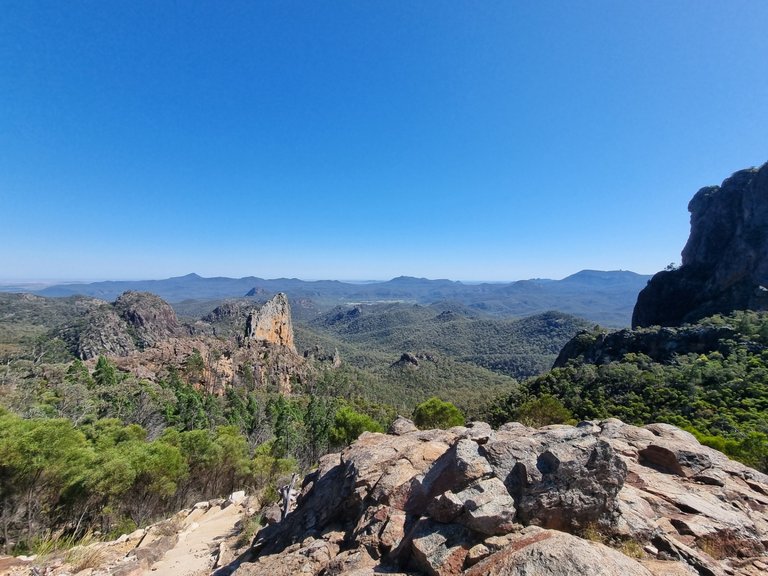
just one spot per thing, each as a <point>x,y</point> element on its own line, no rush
<point>232,312</point>
<point>140,320</point>
<point>260,366</point>
<point>660,344</point>
<point>150,318</point>
<point>271,323</point>
<point>724,265</point>
<point>135,321</point>
<point>142,335</point>
<point>558,500</point>
<point>318,354</point>
<point>99,331</point>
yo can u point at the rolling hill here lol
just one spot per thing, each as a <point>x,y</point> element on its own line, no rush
<point>602,297</point>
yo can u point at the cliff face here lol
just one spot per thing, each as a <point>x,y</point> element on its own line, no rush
<point>724,263</point>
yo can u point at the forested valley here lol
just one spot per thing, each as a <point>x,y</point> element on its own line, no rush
<point>172,413</point>
<point>95,447</point>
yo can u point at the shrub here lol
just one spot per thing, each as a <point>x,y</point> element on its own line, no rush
<point>435,413</point>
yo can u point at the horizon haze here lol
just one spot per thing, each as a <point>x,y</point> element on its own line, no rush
<point>43,282</point>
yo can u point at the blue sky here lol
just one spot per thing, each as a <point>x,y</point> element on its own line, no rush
<point>365,140</point>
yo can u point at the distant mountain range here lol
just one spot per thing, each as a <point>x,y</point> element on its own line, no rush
<point>606,297</point>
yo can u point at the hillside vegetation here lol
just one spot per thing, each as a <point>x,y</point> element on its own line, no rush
<point>366,335</point>
<point>93,446</point>
<point>188,411</point>
<point>720,392</point>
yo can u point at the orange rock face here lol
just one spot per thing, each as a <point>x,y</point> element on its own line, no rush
<point>272,323</point>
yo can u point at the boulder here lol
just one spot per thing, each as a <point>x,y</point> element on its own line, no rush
<point>402,426</point>
<point>551,553</point>
<point>485,507</point>
<point>560,477</point>
<point>440,549</point>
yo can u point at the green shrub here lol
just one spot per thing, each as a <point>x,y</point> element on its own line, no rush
<point>435,413</point>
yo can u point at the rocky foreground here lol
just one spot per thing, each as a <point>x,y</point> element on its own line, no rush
<point>600,498</point>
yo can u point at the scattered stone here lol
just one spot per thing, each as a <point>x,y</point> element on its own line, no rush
<point>402,426</point>
<point>237,497</point>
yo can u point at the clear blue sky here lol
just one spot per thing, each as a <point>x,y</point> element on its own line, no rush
<point>368,139</point>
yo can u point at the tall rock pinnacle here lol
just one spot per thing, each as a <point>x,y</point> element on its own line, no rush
<point>272,323</point>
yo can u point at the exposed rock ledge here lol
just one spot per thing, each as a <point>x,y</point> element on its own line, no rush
<point>515,501</point>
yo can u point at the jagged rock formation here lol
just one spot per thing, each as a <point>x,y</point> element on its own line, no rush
<point>135,321</point>
<point>318,354</point>
<point>142,335</point>
<point>151,319</point>
<point>724,264</point>
<point>139,321</point>
<point>226,320</point>
<point>474,501</point>
<point>272,323</point>
<point>264,359</point>
<point>99,331</point>
<point>228,312</point>
<point>262,366</point>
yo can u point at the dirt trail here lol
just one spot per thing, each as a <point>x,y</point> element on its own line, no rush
<point>196,550</point>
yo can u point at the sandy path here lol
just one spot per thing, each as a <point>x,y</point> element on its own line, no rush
<point>193,555</point>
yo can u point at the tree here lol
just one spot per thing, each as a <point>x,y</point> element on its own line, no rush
<point>267,470</point>
<point>194,367</point>
<point>77,373</point>
<point>41,463</point>
<point>435,413</point>
<point>105,374</point>
<point>318,421</point>
<point>132,476</point>
<point>287,426</point>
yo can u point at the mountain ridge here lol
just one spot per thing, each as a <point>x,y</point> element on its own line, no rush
<point>605,297</point>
